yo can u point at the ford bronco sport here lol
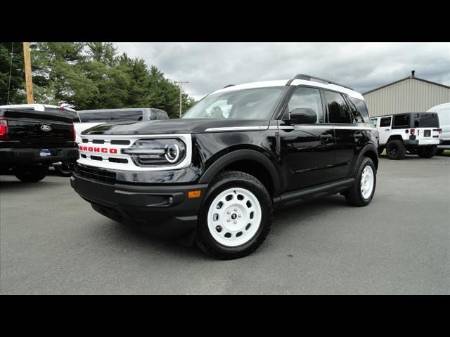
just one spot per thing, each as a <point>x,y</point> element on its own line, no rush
<point>236,155</point>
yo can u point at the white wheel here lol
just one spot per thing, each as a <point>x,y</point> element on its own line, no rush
<point>234,217</point>
<point>367,182</point>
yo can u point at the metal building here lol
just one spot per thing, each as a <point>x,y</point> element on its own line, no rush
<point>410,94</point>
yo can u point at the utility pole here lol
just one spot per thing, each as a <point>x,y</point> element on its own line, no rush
<point>181,101</point>
<point>28,79</point>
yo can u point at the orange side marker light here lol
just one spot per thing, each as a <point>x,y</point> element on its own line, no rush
<point>194,194</point>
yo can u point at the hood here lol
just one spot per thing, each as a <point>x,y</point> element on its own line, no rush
<point>169,126</point>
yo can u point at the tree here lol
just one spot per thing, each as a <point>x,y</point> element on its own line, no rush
<point>90,75</point>
<point>16,81</point>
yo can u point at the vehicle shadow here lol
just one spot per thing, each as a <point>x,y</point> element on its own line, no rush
<point>142,238</point>
<point>11,183</point>
<point>186,249</point>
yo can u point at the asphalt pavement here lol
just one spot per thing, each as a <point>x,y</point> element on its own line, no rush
<point>52,242</point>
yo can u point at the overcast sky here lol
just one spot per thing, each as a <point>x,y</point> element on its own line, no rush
<point>363,66</point>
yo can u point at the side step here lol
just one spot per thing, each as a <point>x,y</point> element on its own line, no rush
<point>313,192</point>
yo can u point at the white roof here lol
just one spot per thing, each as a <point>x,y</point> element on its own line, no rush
<point>36,107</point>
<point>436,108</point>
<point>282,83</point>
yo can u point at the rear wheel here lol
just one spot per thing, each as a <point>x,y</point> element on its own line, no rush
<point>31,174</point>
<point>236,216</point>
<point>395,149</point>
<point>362,191</point>
<point>439,152</point>
<point>426,151</point>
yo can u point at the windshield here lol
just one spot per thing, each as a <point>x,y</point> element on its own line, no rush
<point>256,103</point>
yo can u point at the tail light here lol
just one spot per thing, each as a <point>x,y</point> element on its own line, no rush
<point>3,129</point>
<point>412,131</point>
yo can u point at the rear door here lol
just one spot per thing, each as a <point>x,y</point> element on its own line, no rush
<point>346,132</point>
<point>307,150</point>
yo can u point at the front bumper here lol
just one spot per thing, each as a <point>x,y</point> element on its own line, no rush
<point>29,156</point>
<point>165,210</point>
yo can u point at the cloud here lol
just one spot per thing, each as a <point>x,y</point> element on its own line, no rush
<point>363,66</point>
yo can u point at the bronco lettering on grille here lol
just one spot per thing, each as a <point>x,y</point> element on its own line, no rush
<point>98,149</point>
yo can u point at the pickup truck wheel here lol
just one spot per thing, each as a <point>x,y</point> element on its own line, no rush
<point>361,193</point>
<point>395,149</point>
<point>31,174</point>
<point>426,151</point>
<point>235,217</point>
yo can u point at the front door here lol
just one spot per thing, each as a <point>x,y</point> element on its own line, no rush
<point>307,150</point>
<point>384,129</point>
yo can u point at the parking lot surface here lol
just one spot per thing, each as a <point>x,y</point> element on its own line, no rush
<point>52,242</point>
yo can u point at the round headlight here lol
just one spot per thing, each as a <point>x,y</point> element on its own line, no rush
<point>172,153</point>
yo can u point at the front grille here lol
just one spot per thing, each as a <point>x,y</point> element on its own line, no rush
<point>95,173</point>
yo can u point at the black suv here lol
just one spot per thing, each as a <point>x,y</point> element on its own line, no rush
<point>236,155</point>
<point>34,136</point>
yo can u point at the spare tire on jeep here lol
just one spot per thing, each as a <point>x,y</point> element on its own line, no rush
<point>395,149</point>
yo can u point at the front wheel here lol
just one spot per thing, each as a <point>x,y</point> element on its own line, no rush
<point>362,191</point>
<point>31,174</point>
<point>236,216</point>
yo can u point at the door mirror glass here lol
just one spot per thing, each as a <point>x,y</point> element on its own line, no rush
<point>303,116</point>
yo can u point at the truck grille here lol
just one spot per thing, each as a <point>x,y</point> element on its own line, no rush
<point>95,173</point>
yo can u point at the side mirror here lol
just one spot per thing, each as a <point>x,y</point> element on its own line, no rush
<point>303,116</point>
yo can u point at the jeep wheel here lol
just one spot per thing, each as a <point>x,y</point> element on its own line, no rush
<point>361,193</point>
<point>31,174</point>
<point>395,149</point>
<point>236,216</point>
<point>439,152</point>
<point>426,151</point>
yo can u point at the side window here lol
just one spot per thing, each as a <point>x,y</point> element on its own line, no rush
<point>338,110</point>
<point>362,113</point>
<point>307,98</point>
<point>373,121</point>
<point>385,122</point>
<point>401,121</point>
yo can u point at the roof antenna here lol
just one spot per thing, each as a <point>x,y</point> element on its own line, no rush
<point>413,73</point>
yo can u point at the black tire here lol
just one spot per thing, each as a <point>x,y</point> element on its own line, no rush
<point>64,169</point>
<point>426,151</point>
<point>395,149</point>
<point>354,195</point>
<point>227,180</point>
<point>439,152</point>
<point>31,174</point>
<point>380,150</point>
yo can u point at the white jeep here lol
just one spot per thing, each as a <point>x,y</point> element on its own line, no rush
<point>415,133</point>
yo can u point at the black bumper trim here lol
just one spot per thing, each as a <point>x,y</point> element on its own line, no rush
<point>165,209</point>
<point>21,156</point>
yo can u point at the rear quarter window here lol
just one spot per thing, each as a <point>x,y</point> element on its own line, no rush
<point>401,121</point>
<point>361,112</point>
